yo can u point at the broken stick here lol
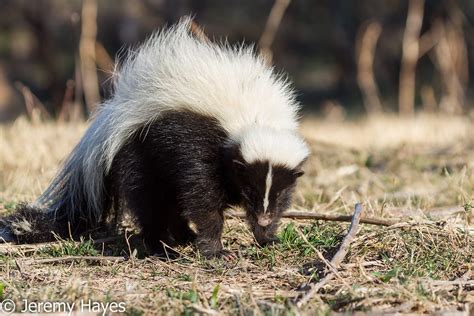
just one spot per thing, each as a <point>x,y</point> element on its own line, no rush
<point>66,259</point>
<point>325,217</point>
<point>337,259</point>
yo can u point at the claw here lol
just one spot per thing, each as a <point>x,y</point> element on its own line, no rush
<point>228,256</point>
<point>223,254</point>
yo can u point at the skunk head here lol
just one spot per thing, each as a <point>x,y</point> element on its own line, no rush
<point>265,189</point>
<point>265,164</point>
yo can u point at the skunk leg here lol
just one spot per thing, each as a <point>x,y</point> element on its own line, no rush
<point>209,228</point>
<point>6,234</point>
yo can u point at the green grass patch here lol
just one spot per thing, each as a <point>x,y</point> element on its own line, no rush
<point>322,236</point>
<point>9,207</point>
<point>70,248</point>
<point>191,295</point>
<point>426,252</point>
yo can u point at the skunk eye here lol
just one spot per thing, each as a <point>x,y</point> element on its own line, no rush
<point>281,194</point>
<point>298,173</point>
<point>239,164</point>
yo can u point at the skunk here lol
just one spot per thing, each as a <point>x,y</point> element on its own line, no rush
<point>192,128</point>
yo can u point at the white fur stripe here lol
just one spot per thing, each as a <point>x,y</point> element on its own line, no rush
<point>268,186</point>
<point>279,147</point>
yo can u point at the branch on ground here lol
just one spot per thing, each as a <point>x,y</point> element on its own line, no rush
<point>294,214</point>
<point>337,259</point>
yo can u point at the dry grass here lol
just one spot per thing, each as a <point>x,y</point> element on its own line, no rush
<point>404,169</point>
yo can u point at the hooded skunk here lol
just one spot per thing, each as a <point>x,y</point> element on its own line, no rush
<point>192,128</point>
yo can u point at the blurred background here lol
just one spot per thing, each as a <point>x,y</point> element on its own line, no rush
<point>346,58</point>
<point>388,101</point>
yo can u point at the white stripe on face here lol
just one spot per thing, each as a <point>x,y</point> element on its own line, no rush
<point>268,185</point>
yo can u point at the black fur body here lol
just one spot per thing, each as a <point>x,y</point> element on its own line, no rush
<point>181,169</point>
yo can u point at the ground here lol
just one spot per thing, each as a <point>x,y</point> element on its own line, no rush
<point>418,170</point>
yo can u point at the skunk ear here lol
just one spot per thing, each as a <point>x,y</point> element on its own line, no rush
<point>298,173</point>
<point>239,164</point>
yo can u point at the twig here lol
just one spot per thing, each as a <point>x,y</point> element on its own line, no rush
<point>363,264</point>
<point>416,224</point>
<point>329,266</point>
<point>74,258</point>
<point>353,228</point>
<point>403,308</point>
<point>338,257</point>
<point>131,254</point>
<point>203,310</point>
<point>273,22</point>
<point>325,217</point>
<point>12,248</point>
<point>303,215</point>
<point>443,283</point>
<point>19,266</point>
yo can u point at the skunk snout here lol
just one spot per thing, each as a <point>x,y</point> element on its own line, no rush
<point>264,220</point>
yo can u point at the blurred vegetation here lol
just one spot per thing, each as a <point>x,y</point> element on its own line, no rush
<point>316,44</point>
